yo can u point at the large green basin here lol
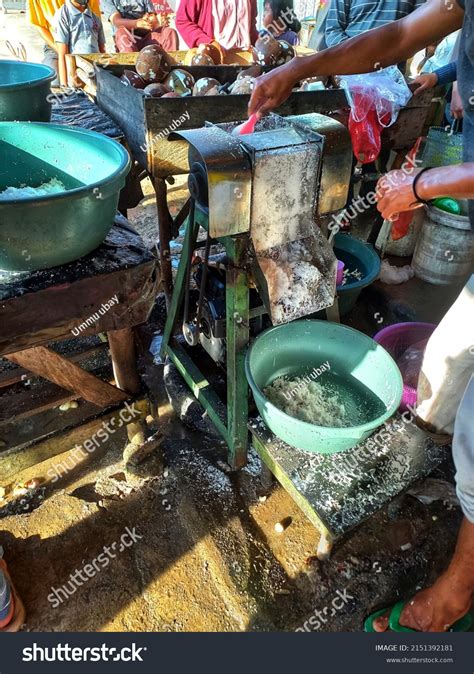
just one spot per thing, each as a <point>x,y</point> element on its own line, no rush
<point>295,349</point>
<point>24,91</point>
<point>39,232</point>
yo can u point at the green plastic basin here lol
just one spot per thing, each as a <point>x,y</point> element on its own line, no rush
<point>296,348</point>
<point>38,232</point>
<point>356,255</point>
<point>24,90</point>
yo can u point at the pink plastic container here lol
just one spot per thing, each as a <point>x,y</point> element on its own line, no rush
<point>396,339</point>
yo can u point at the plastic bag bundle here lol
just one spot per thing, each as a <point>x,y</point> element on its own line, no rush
<point>375,100</point>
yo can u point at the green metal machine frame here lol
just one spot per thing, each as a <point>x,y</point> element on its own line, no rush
<point>231,420</point>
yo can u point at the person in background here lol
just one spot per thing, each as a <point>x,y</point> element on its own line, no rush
<point>435,608</point>
<point>135,24</point>
<point>280,20</point>
<point>41,14</point>
<point>348,18</point>
<point>77,31</point>
<point>229,24</point>
<point>442,76</point>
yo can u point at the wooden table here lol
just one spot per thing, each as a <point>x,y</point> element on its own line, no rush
<point>68,303</point>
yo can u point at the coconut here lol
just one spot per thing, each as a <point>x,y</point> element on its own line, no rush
<point>267,50</point>
<point>156,90</point>
<point>131,79</point>
<point>286,52</point>
<point>212,51</point>
<point>244,85</point>
<point>202,60</point>
<point>153,63</point>
<point>206,86</point>
<point>180,81</point>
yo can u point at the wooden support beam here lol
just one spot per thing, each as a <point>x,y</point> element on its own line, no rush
<point>50,365</point>
<point>124,360</point>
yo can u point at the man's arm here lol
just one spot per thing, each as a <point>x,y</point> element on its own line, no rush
<point>396,193</point>
<point>375,49</point>
<point>336,23</point>
<point>62,50</point>
<point>187,26</point>
<point>47,36</point>
<point>118,21</point>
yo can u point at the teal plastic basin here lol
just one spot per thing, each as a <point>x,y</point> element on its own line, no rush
<point>296,348</point>
<point>38,232</point>
<point>24,90</point>
<point>355,254</point>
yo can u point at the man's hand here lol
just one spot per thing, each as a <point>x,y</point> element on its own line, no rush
<point>163,19</point>
<point>271,90</point>
<point>144,23</point>
<point>395,194</point>
<point>425,81</point>
<point>457,108</point>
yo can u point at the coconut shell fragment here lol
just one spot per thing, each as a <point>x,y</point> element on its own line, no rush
<point>287,52</point>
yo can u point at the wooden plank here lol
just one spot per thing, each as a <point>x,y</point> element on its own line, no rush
<point>48,364</point>
<point>17,375</point>
<point>12,463</point>
<point>22,405</point>
<point>42,424</point>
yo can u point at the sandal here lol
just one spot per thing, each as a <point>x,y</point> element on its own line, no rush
<point>462,625</point>
<point>17,610</point>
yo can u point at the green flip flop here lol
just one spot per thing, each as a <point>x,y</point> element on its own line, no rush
<point>462,625</point>
<point>369,621</point>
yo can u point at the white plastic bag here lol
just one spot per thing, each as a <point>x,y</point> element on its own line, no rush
<point>384,90</point>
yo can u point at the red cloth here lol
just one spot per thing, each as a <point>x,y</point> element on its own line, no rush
<point>195,25</point>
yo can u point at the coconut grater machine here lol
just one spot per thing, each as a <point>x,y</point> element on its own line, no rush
<point>262,202</point>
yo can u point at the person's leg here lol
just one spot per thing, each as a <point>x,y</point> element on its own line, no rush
<point>50,58</point>
<point>449,599</point>
<point>127,41</point>
<point>448,365</point>
<point>165,37</point>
